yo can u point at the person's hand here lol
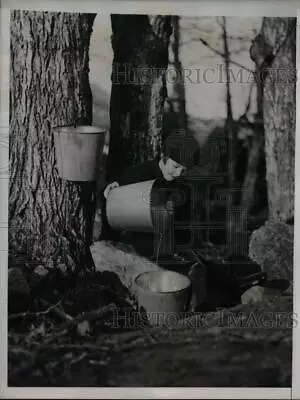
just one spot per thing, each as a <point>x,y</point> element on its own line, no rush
<point>109,188</point>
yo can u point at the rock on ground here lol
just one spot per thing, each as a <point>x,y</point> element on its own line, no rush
<point>272,247</point>
<point>253,295</point>
<point>121,260</point>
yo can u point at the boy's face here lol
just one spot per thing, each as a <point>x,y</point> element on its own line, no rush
<point>171,169</point>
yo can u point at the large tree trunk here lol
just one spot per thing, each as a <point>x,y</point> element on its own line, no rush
<point>140,44</point>
<point>49,86</point>
<point>279,34</point>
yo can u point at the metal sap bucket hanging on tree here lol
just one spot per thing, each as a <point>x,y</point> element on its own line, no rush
<point>78,151</point>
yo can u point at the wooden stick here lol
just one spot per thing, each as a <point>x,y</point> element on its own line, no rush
<point>32,314</point>
<point>73,347</point>
<point>58,311</point>
<point>85,316</point>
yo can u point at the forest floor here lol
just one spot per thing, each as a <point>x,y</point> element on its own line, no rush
<point>86,331</point>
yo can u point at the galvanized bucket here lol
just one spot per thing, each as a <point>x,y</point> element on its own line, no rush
<point>78,151</point>
<point>141,206</point>
<point>162,296</point>
<point>128,207</point>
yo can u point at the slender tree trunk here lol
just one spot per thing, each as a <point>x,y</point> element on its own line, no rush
<point>178,96</point>
<point>249,196</point>
<point>256,153</point>
<point>49,86</point>
<point>230,125</point>
<point>280,115</point>
<point>140,44</point>
<point>235,222</point>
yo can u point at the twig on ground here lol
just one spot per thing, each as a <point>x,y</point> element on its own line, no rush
<point>19,350</point>
<point>85,316</point>
<point>152,338</point>
<point>29,314</point>
<point>79,358</point>
<point>58,311</point>
<point>73,347</point>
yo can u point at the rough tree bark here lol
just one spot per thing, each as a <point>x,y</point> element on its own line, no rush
<point>49,86</point>
<point>278,37</point>
<point>140,44</point>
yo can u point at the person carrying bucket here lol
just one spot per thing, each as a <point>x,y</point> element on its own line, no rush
<point>180,153</point>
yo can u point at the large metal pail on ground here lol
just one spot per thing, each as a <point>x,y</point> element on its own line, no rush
<point>78,151</point>
<point>163,296</point>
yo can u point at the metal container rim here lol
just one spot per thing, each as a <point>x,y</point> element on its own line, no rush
<point>188,285</point>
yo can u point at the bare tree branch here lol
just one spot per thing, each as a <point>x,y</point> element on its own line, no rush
<point>33,314</point>
<point>221,22</point>
<point>85,316</point>
<point>243,47</point>
<point>240,38</point>
<point>221,54</point>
